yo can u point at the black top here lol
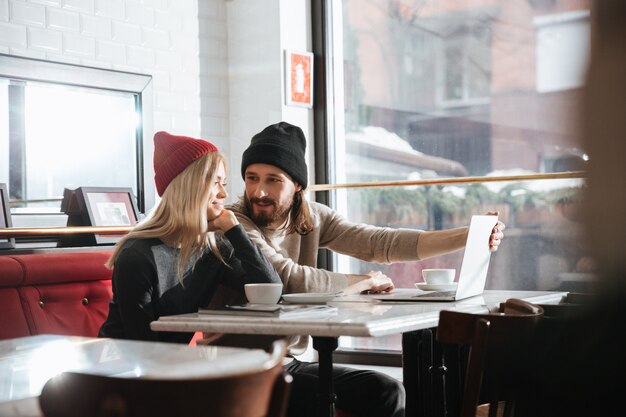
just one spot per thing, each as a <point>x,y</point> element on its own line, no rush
<point>146,284</point>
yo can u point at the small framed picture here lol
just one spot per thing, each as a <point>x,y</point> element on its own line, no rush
<point>5,218</point>
<point>101,206</point>
<point>299,78</point>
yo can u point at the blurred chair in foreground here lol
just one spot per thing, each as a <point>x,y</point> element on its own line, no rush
<point>495,343</point>
<point>578,365</point>
<point>261,393</point>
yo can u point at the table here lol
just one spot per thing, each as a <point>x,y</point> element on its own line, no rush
<point>576,281</point>
<point>357,319</point>
<point>27,363</point>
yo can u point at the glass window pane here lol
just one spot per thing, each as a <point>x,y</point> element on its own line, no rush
<point>77,137</point>
<point>4,131</point>
<point>442,88</point>
<point>561,62</point>
<point>473,88</point>
<point>542,221</point>
<point>454,67</point>
<point>543,248</point>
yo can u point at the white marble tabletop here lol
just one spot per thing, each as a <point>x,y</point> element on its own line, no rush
<point>27,363</point>
<point>361,316</point>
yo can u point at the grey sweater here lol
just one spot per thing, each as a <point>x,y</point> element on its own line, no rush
<point>146,284</point>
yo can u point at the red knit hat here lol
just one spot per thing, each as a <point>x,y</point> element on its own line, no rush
<point>172,154</point>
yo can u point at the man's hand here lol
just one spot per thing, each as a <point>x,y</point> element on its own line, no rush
<point>224,222</point>
<point>497,234</point>
<point>372,282</point>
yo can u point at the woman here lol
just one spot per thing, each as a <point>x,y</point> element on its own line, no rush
<point>173,262</point>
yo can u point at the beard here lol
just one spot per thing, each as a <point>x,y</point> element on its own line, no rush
<point>263,219</point>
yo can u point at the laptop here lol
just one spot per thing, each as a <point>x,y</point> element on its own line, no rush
<point>473,274</point>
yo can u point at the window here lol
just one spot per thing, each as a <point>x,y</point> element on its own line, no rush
<point>562,50</point>
<point>65,126</point>
<point>424,90</point>
<point>464,74</point>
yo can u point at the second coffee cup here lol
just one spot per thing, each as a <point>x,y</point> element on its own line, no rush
<point>439,276</point>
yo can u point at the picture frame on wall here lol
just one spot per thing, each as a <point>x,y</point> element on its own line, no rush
<point>99,206</point>
<point>5,218</point>
<point>299,78</point>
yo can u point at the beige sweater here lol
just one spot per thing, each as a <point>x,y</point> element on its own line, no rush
<point>295,256</point>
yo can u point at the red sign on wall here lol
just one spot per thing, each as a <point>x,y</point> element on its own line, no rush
<point>299,78</point>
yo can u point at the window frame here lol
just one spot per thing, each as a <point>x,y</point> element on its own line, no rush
<point>328,130</point>
<point>21,69</point>
<point>5,218</point>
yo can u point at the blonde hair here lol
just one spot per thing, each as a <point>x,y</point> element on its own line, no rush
<point>180,218</point>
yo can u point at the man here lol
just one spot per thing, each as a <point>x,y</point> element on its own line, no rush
<point>289,230</point>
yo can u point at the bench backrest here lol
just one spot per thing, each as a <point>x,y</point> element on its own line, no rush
<point>59,293</point>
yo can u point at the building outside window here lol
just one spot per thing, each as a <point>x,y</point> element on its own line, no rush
<point>428,89</point>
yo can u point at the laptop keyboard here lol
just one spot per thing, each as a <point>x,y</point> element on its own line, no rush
<point>437,294</point>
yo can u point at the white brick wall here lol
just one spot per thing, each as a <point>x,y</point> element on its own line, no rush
<point>28,14</point>
<point>213,74</point>
<point>63,20</point>
<point>200,88</point>
<point>258,33</point>
<point>157,37</point>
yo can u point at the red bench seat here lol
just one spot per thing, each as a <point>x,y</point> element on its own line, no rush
<point>59,293</point>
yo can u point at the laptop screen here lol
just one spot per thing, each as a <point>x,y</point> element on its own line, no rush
<point>473,275</point>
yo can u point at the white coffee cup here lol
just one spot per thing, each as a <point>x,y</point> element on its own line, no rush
<point>438,276</point>
<point>263,293</point>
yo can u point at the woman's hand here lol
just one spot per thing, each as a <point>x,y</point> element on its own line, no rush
<point>224,222</point>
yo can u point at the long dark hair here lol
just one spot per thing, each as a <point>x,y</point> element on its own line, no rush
<point>301,221</point>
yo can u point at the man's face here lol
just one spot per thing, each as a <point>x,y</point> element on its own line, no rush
<point>269,194</point>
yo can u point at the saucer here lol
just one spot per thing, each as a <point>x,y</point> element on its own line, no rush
<point>440,287</point>
<point>309,297</point>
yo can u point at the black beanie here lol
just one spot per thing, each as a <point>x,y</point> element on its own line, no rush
<point>281,145</point>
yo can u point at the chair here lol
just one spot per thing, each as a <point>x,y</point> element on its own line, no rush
<point>577,359</point>
<point>573,305</point>
<point>261,393</point>
<point>495,343</point>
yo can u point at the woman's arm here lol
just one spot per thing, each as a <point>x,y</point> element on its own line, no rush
<point>246,263</point>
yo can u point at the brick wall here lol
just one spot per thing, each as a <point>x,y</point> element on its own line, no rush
<point>157,37</point>
<point>216,64</point>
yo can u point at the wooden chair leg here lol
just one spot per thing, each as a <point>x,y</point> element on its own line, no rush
<point>280,396</point>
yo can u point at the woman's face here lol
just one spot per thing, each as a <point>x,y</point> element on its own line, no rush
<point>217,193</point>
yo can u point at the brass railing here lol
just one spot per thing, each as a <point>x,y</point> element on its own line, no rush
<point>452,180</point>
<point>48,231</point>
